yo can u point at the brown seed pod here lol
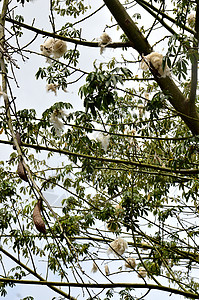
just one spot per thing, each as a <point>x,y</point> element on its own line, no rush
<point>37,218</point>
<point>21,171</point>
<point>18,137</point>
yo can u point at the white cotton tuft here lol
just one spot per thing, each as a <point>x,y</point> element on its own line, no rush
<point>55,119</point>
<point>118,247</point>
<point>105,39</point>
<point>94,268</point>
<point>59,48</point>
<point>155,59</point>
<point>53,47</point>
<point>191,20</point>
<point>47,47</point>
<point>107,271</point>
<point>52,87</point>
<point>142,272</point>
<point>130,263</point>
<point>104,140</point>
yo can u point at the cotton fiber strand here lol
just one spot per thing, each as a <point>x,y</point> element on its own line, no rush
<point>155,59</point>
<point>118,246</point>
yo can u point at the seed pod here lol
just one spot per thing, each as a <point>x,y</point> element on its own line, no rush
<point>37,218</point>
<point>18,137</point>
<point>21,171</point>
<point>107,271</point>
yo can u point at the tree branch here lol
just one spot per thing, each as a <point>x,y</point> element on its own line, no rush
<point>109,160</point>
<point>105,285</point>
<point>147,5</point>
<point>25,267</point>
<point>67,39</point>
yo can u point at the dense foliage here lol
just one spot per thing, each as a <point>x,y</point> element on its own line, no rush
<point>118,147</point>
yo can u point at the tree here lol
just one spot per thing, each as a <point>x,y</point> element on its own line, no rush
<point>127,162</point>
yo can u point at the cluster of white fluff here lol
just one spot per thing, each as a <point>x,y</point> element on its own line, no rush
<point>103,138</point>
<point>105,39</point>
<point>130,263</point>
<point>55,119</point>
<point>155,59</point>
<point>52,87</point>
<point>53,47</point>
<point>118,247</point>
<point>191,20</point>
<point>142,272</point>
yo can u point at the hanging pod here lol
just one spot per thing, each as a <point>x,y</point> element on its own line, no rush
<point>37,218</point>
<point>21,171</point>
<point>18,137</point>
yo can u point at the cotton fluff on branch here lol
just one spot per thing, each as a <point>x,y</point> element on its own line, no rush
<point>104,140</point>
<point>155,59</point>
<point>142,272</point>
<point>105,39</point>
<point>191,20</point>
<point>47,47</point>
<point>118,247</point>
<point>53,47</point>
<point>130,263</point>
<point>55,119</point>
<point>52,87</point>
<point>59,48</point>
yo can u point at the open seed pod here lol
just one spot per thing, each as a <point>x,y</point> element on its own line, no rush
<point>37,218</point>
<point>18,137</point>
<point>21,171</point>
